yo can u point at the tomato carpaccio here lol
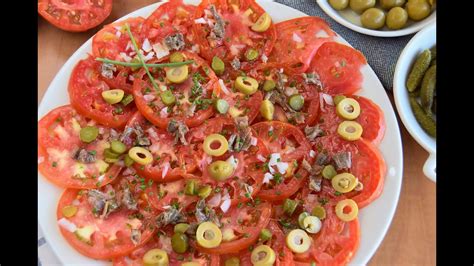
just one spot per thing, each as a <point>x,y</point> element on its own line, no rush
<point>201,134</point>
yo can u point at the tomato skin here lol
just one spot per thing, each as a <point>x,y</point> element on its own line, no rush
<point>103,250</point>
<point>242,243</point>
<point>55,14</point>
<point>85,93</point>
<point>238,25</point>
<point>162,122</point>
<point>296,57</point>
<point>338,66</point>
<point>56,150</point>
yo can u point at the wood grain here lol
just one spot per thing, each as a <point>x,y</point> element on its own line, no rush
<point>411,237</point>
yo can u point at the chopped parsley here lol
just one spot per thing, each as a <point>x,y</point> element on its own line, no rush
<point>54,164</point>
<point>323,201</point>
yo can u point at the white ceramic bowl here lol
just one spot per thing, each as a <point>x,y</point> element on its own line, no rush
<point>424,39</point>
<point>351,20</point>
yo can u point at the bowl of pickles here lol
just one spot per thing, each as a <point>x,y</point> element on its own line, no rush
<point>414,89</point>
<point>381,18</point>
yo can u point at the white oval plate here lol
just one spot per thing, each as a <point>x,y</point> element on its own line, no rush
<point>424,39</point>
<point>374,219</point>
<point>351,20</point>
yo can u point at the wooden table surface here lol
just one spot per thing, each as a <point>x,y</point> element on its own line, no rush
<point>412,234</point>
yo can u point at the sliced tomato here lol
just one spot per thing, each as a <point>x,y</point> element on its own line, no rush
<point>246,222</point>
<point>150,105</point>
<point>75,15</point>
<point>162,195</point>
<point>59,142</point>
<point>238,37</point>
<point>371,119</point>
<point>85,93</point>
<point>338,67</point>
<point>367,164</point>
<point>112,235</point>
<point>298,40</point>
<point>170,18</point>
<point>290,84</point>
<point>170,162</point>
<point>113,41</point>
<point>291,145</point>
<point>245,181</point>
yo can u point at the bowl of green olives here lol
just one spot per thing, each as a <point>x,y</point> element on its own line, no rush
<point>381,18</point>
<point>414,90</point>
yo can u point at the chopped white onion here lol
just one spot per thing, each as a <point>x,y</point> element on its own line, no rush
<point>40,159</point>
<point>118,28</point>
<point>133,53</point>
<point>264,58</point>
<point>223,87</point>
<point>76,202</point>
<point>118,34</point>
<point>125,57</point>
<point>200,21</point>
<point>253,141</point>
<point>101,178</point>
<point>235,49</point>
<point>68,225</point>
<point>234,162</point>
<point>312,153</point>
<point>296,38</point>
<point>327,98</point>
<point>152,133</point>
<point>321,104</point>
<point>208,159</point>
<point>195,48</point>
<point>225,205</point>
<point>149,97</point>
<point>166,167</point>
<point>129,46</point>
<point>164,112</point>
<point>146,46</point>
<point>165,17</point>
<point>226,195</point>
<point>149,56</point>
<point>322,34</point>
<point>267,177</point>
<point>261,158</point>
<point>215,200</point>
<point>282,167</point>
<point>160,50</point>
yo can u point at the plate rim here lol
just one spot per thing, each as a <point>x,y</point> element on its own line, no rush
<point>62,73</point>
<point>377,33</point>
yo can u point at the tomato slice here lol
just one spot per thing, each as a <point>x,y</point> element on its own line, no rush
<point>338,67</point>
<point>168,19</point>
<point>112,234</point>
<point>192,95</point>
<point>113,41</point>
<point>75,15</point>
<point>245,181</point>
<point>163,195</point>
<point>85,93</point>
<point>237,36</point>
<point>298,40</point>
<point>367,164</point>
<point>371,119</point>
<point>246,222</point>
<point>60,147</point>
<point>170,162</point>
<point>286,86</point>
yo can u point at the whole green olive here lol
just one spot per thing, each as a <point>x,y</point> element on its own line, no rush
<point>387,4</point>
<point>396,18</point>
<point>360,6</point>
<point>339,4</point>
<point>418,9</point>
<point>179,242</point>
<point>373,18</point>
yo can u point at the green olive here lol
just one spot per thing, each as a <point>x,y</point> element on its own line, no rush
<point>181,228</point>
<point>387,4</point>
<point>128,161</point>
<point>329,171</point>
<point>218,65</point>
<point>109,154</point>
<point>397,18</point>
<point>233,261</point>
<point>177,74</point>
<point>301,218</point>
<point>220,170</point>
<point>246,85</point>
<point>269,85</point>
<point>204,191</point>
<point>176,57</point>
<point>113,96</point>
<point>222,106</point>
<point>88,134</point>
<point>191,187</point>
<point>267,109</point>
<point>118,147</point>
<point>289,206</point>
<point>251,54</point>
<point>296,102</point>
<point>168,98</point>
<point>265,234</point>
<point>338,98</point>
<point>339,4</point>
<point>360,6</point>
<point>179,242</point>
<point>319,212</point>
<point>418,9</point>
<point>373,18</point>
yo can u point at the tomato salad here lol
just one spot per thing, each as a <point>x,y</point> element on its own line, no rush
<point>211,135</point>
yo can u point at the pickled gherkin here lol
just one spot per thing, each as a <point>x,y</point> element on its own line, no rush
<point>418,70</point>
<point>427,89</point>
<point>425,121</point>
